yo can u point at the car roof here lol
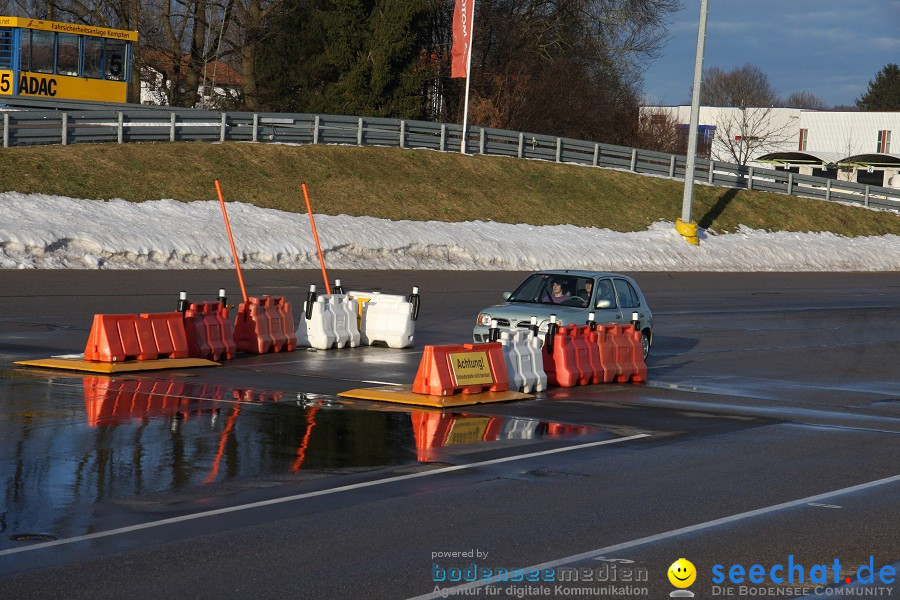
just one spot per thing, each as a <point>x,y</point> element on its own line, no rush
<point>579,273</point>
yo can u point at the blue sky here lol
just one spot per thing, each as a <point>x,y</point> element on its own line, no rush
<point>832,48</point>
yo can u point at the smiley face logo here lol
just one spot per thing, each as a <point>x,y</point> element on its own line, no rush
<point>682,573</point>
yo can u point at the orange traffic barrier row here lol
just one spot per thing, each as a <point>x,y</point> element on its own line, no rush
<point>115,338</point>
<point>265,324</point>
<point>208,331</point>
<point>581,356</point>
<point>469,368</point>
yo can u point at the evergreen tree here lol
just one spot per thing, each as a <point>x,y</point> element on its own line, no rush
<point>884,90</point>
<point>357,57</point>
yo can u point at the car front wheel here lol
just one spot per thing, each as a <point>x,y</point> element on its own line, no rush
<point>645,343</point>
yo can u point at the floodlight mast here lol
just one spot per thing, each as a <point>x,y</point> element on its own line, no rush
<point>684,226</point>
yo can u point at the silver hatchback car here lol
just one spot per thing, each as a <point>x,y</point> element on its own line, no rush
<point>571,296</point>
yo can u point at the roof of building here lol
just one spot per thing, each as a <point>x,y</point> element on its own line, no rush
<point>874,158</point>
<point>217,72</point>
<point>801,156</point>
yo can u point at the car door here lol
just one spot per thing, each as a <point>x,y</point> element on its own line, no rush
<point>629,301</point>
<point>605,292</point>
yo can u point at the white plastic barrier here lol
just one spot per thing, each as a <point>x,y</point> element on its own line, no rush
<point>386,318</point>
<point>343,310</point>
<point>317,331</point>
<point>524,364</point>
<point>331,323</point>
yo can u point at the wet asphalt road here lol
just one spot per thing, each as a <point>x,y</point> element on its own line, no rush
<point>769,434</point>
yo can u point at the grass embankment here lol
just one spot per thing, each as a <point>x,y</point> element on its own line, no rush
<point>412,184</point>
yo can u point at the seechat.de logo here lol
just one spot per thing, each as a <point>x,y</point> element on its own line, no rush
<point>682,574</point>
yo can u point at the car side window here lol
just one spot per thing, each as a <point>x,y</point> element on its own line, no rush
<point>605,292</point>
<point>627,296</point>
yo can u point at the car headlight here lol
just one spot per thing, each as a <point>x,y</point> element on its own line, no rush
<point>484,319</point>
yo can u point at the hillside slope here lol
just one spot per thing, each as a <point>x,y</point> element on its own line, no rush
<point>413,184</point>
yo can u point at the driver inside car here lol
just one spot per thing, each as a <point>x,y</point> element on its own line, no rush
<point>558,292</point>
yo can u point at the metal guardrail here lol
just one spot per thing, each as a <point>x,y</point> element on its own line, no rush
<point>32,122</point>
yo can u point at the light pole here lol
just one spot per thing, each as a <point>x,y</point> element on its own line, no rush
<point>684,225</point>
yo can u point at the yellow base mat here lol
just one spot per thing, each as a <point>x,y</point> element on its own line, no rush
<point>403,394</point>
<point>77,364</point>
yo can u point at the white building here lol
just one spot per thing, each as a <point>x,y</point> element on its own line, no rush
<point>850,146</point>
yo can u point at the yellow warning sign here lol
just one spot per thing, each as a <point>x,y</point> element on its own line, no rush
<point>471,368</point>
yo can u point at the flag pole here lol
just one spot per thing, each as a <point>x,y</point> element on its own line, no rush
<point>465,124</point>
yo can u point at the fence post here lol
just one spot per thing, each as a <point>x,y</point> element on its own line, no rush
<point>121,123</point>
<point>521,152</point>
<point>443,137</point>
<point>172,127</point>
<point>558,149</point>
<point>222,129</point>
<point>403,134</point>
<point>359,132</point>
<point>6,130</point>
<point>712,168</point>
<point>867,196</point>
<point>65,127</point>
<point>255,135</point>
<point>828,190</point>
<point>790,189</point>
<point>316,130</point>
<point>750,179</point>
<point>596,154</point>
<point>633,159</point>
<point>672,166</point>
<point>481,142</point>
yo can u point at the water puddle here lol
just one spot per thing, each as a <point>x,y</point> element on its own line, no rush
<point>70,442</point>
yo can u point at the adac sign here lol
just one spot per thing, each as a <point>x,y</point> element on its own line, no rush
<point>37,85</point>
<point>51,86</point>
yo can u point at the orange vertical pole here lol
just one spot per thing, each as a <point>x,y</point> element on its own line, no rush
<point>312,222</point>
<point>237,263</point>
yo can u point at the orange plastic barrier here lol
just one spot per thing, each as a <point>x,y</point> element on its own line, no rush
<point>469,368</point>
<point>605,355</point>
<point>265,324</point>
<point>208,332</point>
<point>586,371</point>
<point>593,350</point>
<point>580,356</point>
<point>564,365</point>
<point>169,334</point>
<point>115,338</point>
<point>628,355</point>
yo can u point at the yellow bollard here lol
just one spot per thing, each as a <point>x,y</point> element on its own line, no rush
<point>688,231</point>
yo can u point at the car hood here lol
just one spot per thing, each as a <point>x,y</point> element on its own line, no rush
<point>522,311</point>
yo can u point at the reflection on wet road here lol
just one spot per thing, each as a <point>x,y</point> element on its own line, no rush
<point>73,442</point>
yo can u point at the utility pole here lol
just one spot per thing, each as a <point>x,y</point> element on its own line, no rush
<point>684,225</point>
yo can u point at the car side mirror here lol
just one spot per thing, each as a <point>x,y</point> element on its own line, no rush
<point>603,303</point>
<point>506,296</point>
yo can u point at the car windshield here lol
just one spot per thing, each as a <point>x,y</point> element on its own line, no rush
<point>547,288</point>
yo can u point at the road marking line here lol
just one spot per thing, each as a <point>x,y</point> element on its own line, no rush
<point>460,589</point>
<point>325,492</point>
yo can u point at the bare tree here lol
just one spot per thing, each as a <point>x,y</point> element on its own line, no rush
<point>806,100</point>
<point>658,130</point>
<point>745,133</point>
<point>248,18</point>
<point>741,87</point>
